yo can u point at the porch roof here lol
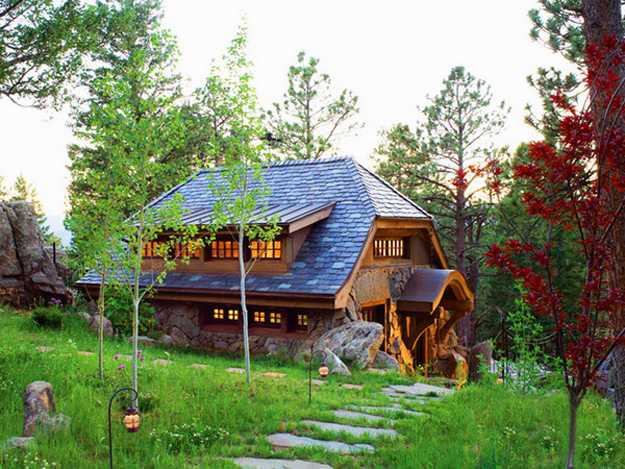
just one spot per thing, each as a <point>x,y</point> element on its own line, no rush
<point>429,288</point>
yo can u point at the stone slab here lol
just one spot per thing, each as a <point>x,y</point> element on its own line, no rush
<point>420,389</point>
<point>259,463</point>
<point>162,362</point>
<point>352,430</point>
<point>273,374</point>
<point>85,354</point>
<point>286,440</point>
<point>119,356</point>
<point>357,387</point>
<point>318,382</point>
<point>198,366</point>
<point>44,349</point>
<point>350,414</point>
<point>19,442</point>
<point>389,409</point>
<point>235,370</point>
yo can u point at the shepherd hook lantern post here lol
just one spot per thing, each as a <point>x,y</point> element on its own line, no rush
<point>131,419</point>
<point>310,374</point>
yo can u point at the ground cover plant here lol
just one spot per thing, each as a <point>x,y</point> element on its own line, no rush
<point>201,417</point>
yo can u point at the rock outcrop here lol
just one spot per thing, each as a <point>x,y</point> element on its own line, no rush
<point>355,342</point>
<point>27,273</point>
<point>40,409</point>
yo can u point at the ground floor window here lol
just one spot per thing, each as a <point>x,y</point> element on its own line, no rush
<point>285,321</point>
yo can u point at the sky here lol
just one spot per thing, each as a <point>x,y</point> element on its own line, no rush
<point>392,54</point>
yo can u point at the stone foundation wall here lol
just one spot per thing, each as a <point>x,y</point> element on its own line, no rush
<point>181,321</point>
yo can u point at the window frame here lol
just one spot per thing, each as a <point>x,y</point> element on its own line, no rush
<point>404,246</point>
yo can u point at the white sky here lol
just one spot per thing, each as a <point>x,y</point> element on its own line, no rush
<point>390,53</point>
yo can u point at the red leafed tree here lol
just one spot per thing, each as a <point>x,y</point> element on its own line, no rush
<point>572,186</point>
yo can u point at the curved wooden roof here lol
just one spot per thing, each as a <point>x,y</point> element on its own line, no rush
<point>429,288</point>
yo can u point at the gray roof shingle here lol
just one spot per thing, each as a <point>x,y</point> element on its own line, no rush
<point>333,245</point>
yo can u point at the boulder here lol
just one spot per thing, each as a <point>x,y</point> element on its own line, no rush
<point>94,324</point>
<point>144,340</point>
<point>39,409</point>
<point>356,342</point>
<point>166,340</point>
<point>21,442</point>
<point>385,362</point>
<point>334,363</point>
<point>27,272</point>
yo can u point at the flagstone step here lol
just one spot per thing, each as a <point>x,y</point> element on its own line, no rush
<point>392,409</point>
<point>419,389</point>
<point>350,414</point>
<point>396,396</point>
<point>287,440</point>
<point>260,463</point>
<point>350,429</point>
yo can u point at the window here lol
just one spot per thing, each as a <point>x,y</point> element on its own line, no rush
<point>222,249</point>
<point>275,318</point>
<point>233,315</point>
<point>189,250</point>
<point>389,248</point>
<point>302,321</point>
<point>218,313</point>
<point>151,249</point>
<point>259,316</point>
<point>266,249</point>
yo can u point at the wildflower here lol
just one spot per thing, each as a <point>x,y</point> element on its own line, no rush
<point>121,367</point>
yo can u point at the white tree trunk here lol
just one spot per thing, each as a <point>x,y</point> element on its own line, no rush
<point>246,338</point>
<point>101,327</point>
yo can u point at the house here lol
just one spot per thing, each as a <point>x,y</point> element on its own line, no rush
<point>350,248</point>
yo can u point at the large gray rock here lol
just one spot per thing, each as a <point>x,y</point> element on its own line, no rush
<point>356,342</point>
<point>334,363</point>
<point>384,361</point>
<point>39,409</point>
<point>27,272</point>
<point>94,324</point>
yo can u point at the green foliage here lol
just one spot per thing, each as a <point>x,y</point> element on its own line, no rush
<point>188,436</point>
<point>525,331</point>
<point>310,118</point>
<point>119,309</point>
<point>43,46</point>
<point>600,447</point>
<point>50,317</point>
<point>465,430</point>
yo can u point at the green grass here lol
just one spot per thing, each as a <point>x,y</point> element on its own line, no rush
<point>483,426</point>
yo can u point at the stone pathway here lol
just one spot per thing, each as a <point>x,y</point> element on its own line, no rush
<point>350,414</point>
<point>418,389</point>
<point>44,349</point>
<point>392,409</point>
<point>273,374</point>
<point>350,429</point>
<point>162,362</point>
<point>287,440</point>
<point>198,366</point>
<point>357,387</point>
<point>239,371</point>
<point>85,354</point>
<point>259,463</point>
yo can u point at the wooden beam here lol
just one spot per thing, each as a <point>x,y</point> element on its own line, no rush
<point>310,219</point>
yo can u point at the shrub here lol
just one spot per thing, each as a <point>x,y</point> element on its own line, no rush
<point>187,436</point>
<point>119,310</point>
<point>50,317</point>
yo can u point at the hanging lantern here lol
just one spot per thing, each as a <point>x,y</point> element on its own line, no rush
<point>324,371</point>
<point>132,420</point>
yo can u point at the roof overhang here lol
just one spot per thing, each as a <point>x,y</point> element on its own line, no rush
<point>290,217</point>
<point>429,288</point>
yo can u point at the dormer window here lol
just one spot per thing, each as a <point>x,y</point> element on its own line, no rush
<point>223,249</point>
<point>151,249</point>
<point>389,247</point>
<point>266,249</point>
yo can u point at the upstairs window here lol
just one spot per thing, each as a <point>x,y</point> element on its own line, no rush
<point>233,315</point>
<point>189,250</point>
<point>224,249</point>
<point>259,316</point>
<point>151,249</point>
<point>218,313</point>
<point>275,318</point>
<point>266,249</point>
<point>389,247</point>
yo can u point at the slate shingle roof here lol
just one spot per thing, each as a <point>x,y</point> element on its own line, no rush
<point>333,245</point>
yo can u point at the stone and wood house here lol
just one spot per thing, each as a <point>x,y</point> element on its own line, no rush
<point>350,248</point>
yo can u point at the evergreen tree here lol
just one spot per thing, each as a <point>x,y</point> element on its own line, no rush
<point>311,118</point>
<point>444,164</point>
<point>23,190</point>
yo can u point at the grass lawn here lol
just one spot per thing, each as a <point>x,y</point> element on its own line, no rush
<point>483,426</point>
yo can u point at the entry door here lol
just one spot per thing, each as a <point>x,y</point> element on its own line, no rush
<point>376,314</point>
